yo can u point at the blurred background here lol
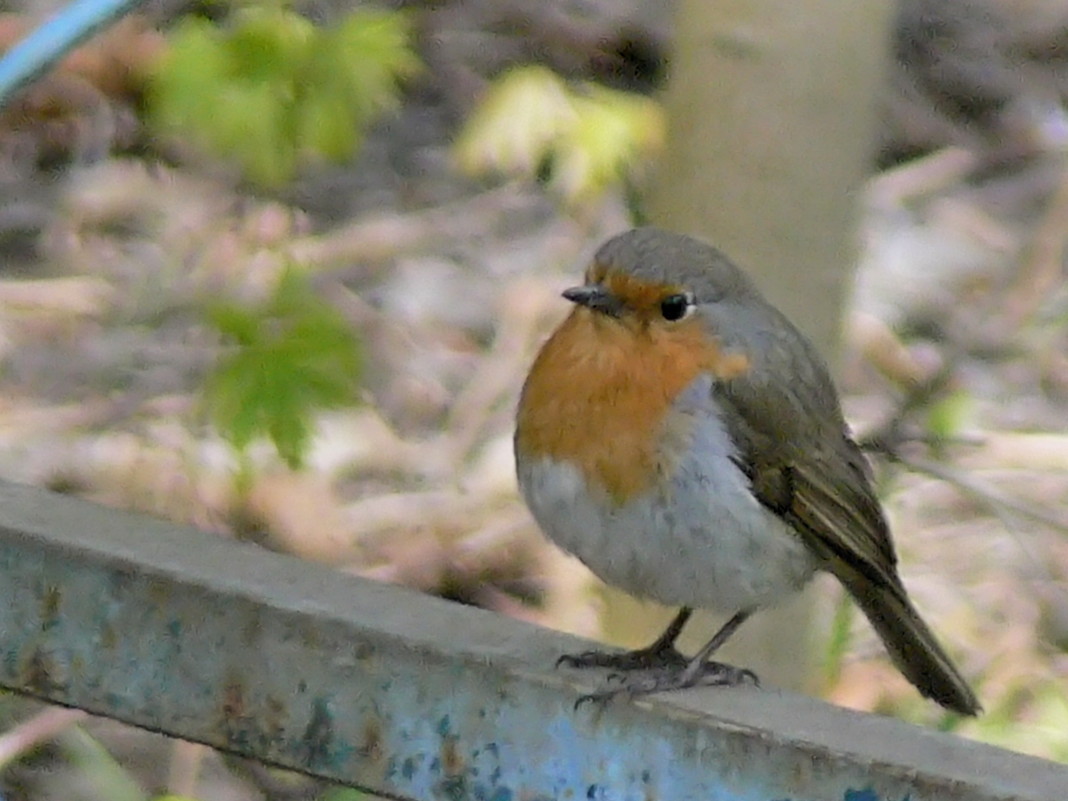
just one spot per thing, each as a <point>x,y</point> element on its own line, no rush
<point>277,270</point>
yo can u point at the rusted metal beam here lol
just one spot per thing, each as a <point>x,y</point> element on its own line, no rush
<point>186,633</point>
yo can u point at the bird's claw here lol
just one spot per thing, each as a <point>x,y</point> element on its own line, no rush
<point>706,674</point>
<point>582,660</point>
<point>642,659</point>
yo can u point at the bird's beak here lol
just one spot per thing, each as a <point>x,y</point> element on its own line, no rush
<point>596,298</point>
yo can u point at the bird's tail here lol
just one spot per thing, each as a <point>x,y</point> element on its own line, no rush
<point>912,645</point>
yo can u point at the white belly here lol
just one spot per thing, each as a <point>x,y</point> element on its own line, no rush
<point>701,540</point>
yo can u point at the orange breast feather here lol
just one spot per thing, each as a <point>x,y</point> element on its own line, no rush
<point>599,395</point>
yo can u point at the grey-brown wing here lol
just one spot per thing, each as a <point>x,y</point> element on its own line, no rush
<point>794,446</point>
<point>834,509</point>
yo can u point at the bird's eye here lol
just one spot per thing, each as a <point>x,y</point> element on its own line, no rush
<point>675,307</point>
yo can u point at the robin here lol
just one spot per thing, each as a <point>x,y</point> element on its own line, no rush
<point>684,440</point>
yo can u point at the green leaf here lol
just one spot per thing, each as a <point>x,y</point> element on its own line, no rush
<point>591,138</point>
<point>268,88</point>
<point>266,44</point>
<point>520,121</point>
<point>196,59</point>
<point>290,358</point>
<point>613,131</point>
<point>234,322</point>
<point>324,129</point>
<point>948,415</point>
<point>265,149</point>
<point>372,57</point>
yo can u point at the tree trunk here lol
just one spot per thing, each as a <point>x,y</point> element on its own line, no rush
<point>771,111</point>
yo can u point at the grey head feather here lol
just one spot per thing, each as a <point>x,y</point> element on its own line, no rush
<point>793,381</point>
<point>657,256</point>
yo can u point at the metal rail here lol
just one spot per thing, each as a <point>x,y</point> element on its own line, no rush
<point>54,38</point>
<point>186,633</point>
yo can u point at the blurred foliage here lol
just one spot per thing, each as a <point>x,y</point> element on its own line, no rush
<point>269,88</point>
<point>101,776</point>
<point>291,356</point>
<point>582,141</point>
<point>948,415</point>
<point>1033,719</point>
<point>839,641</point>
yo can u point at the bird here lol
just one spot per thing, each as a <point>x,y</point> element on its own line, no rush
<point>683,439</point>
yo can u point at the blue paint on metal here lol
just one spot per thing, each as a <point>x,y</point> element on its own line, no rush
<point>867,794</point>
<point>407,696</point>
<point>54,39</point>
<point>317,740</point>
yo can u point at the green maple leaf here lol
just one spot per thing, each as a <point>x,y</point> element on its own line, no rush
<point>271,90</point>
<point>290,358</point>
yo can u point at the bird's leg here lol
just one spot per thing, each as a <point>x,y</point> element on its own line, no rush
<point>701,670</point>
<point>661,653</point>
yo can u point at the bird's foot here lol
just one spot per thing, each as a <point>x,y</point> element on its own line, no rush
<point>674,677</point>
<point>652,658</point>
